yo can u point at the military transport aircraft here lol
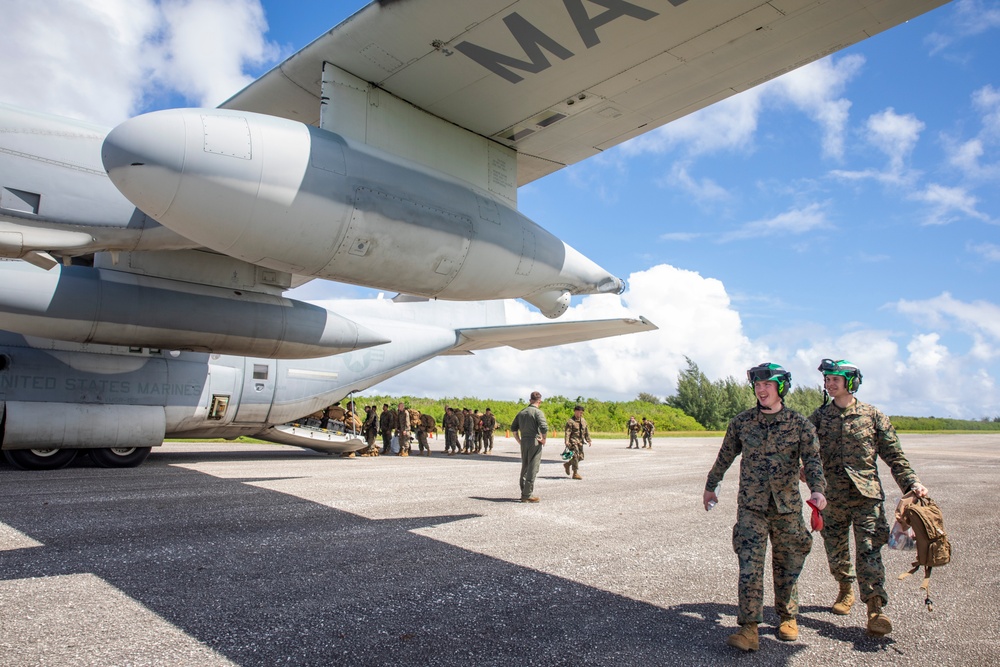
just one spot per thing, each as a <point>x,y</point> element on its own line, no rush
<point>142,290</point>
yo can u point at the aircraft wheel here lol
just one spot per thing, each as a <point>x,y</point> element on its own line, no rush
<point>40,459</point>
<point>119,457</point>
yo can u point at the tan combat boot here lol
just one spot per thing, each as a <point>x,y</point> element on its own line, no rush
<point>879,624</point>
<point>845,599</point>
<point>746,639</point>
<point>566,467</point>
<point>788,630</point>
<point>576,475</point>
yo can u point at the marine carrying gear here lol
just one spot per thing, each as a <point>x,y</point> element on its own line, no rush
<point>933,548</point>
<point>844,368</point>
<point>768,372</point>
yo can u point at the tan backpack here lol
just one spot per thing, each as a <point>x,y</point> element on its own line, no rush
<point>933,548</point>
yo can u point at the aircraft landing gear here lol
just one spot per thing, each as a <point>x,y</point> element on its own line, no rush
<point>119,457</point>
<point>40,459</point>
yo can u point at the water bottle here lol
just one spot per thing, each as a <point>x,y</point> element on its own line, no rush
<point>713,503</point>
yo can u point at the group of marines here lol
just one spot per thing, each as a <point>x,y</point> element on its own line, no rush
<point>634,427</point>
<point>402,424</point>
<point>835,452</point>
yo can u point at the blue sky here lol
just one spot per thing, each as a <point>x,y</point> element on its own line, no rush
<point>847,210</point>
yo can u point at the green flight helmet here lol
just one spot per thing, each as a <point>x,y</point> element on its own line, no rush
<point>850,372</point>
<point>768,372</point>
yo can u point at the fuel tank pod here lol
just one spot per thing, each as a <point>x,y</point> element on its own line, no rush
<point>291,197</point>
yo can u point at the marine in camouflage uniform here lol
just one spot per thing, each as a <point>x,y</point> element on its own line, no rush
<point>451,423</point>
<point>386,422</point>
<point>633,432</point>
<point>422,430</point>
<point>477,425</point>
<point>369,429</point>
<point>403,430</point>
<point>575,435</point>
<point>853,436</point>
<point>468,430</point>
<point>647,433</point>
<point>771,441</point>
<point>489,425</point>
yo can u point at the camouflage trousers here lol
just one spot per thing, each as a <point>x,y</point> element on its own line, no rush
<point>404,441</point>
<point>633,439</point>
<point>871,533</point>
<point>574,463</point>
<point>422,441</point>
<point>468,441</point>
<point>487,441</point>
<point>450,440</point>
<point>790,544</point>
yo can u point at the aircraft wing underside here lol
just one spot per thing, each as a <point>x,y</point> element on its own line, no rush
<point>535,336</point>
<point>561,80</point>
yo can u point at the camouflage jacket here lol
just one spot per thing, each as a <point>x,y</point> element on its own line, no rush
<point>451,421</point>
<point>386,421</point>
<point>489,422</point>
<point>577,432</point>
<point>633,426</point>
<point>851,442</point>
<point>402,421</point>
<point>771,453</point>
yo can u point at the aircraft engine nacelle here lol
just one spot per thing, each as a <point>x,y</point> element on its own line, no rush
<point>88,305</point>
<point>298,199</point>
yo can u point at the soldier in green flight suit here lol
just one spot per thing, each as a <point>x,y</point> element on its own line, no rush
<point>575,435</point>
<point>772,442</point>
<point>530,429</point>
<point>853,436</point>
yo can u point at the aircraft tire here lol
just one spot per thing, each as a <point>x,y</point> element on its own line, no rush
<point>119,457</point>
<point>40,459</point>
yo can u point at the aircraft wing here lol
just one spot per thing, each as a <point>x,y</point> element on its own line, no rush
<point>546,334</point>
<point>561,80</point>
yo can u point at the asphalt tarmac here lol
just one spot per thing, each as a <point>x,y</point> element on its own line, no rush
<point>265,555</point>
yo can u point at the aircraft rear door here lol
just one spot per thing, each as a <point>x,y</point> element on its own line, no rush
<point>258,391</point>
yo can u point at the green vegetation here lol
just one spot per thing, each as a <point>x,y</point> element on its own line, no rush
<point>603,416</point>
<point>700,407</point>
<point>945,424</point>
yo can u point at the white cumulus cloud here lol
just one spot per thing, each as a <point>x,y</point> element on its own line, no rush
<point>105,61</point>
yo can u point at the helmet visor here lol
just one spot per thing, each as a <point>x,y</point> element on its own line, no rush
<point>762,375</point>
<point>829,366</point>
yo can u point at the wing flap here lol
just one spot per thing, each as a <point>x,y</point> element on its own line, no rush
<point>546,334</point>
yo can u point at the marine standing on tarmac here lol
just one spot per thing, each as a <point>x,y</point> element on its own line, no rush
<point>385,425</point>
<point>468,429</point>
<point>370,430</point>
<point>422,428</point>
<point>647,433</point>
<point>576,434</point>
<point>772,442</point>
<point>477,426</point>
<point>530,430</point>
<point>451,424</point>
<point>633,432</point>
<point>403,429</point>
<point>853,436</point>
<point>489,425</point>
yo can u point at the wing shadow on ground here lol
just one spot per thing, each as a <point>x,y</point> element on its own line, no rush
<point>265,577</point>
